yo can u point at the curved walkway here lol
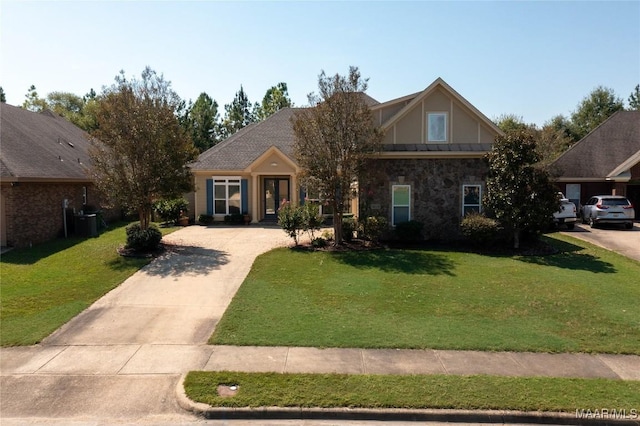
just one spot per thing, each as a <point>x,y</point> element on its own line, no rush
<point>122,358</point>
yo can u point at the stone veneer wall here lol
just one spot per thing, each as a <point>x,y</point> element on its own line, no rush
<point>436,190</point>
<point>34,210</point>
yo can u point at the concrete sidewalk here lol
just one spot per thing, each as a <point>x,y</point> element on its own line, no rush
<point>152,359</point>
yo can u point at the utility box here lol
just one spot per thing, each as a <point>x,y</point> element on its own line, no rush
<point>86,225</point>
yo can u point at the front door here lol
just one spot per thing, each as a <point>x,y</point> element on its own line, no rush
<point>275,191</point>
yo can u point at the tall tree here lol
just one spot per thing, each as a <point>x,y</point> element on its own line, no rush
<point>238,113</point>
<point>203,122</point>
<point>276,98</point>
<point>3,97</point>
<point>511,123</point>
<point>555,137</point>
<point>333,138</point>
<point>520,195</point>
<point>634,99</point>
<point>601,103</point>
<point>33,102</point>
<point>140,151</point>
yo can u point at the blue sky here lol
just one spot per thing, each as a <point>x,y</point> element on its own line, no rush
<point>533,59</point>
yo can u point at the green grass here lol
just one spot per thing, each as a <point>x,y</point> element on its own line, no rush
<point>43,287</point>
<point>584,299</point>
<point>438,391</point>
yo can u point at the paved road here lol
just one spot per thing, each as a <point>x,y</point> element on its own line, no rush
<point>618,239</point>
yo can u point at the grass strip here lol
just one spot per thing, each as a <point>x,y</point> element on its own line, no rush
<point>415,392</point>
<point>43,287</point>
<point>583,299</point>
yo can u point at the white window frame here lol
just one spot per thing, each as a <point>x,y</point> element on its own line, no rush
<point>479,204</point>
<point>434,114</point>
<point>225,181</point>
<point>84,195</point>
<point>394,205</point>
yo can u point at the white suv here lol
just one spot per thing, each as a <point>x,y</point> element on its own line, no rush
<point>608,209</point>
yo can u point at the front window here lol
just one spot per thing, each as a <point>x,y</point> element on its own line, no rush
<point>437,127</point>
<point>471,199</point>
<point>226,196</point>
<point>401,199</point>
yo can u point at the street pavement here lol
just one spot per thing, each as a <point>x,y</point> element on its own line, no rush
<point>122,360</point>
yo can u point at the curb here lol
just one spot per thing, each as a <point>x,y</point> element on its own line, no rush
<point>389,414</point>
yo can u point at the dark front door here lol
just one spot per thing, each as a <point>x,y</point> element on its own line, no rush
<point>275,191</point>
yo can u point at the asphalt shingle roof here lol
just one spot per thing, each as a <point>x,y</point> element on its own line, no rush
<point>242,148</point>
<point>41,146</point>
<point>604,149</point>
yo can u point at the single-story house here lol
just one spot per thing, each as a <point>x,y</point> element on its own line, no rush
<point>43,159</point>
<point>431,168</point>
<point>606,161</point>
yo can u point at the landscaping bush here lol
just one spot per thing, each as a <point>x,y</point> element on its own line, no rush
<point>170,210</point>
<point>410,231</point>
<point>373,227</point>
<point>205,219</point>
<point>290,219</point>
<point>143,239</point>
<point>319,242</point>
<point>479,229</point>
<point>311,218</point>
<point>235,218</point>
<point>348,227</point>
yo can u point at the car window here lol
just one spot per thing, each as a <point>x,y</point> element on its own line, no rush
<point>592,201</point>
<point>615,202</point>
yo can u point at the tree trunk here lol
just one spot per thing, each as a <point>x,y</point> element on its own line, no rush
<point>516,239</point>
<point>337,224</point>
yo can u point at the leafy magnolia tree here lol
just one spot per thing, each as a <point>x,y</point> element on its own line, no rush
<point>333,138</point>
<point>203,122</point>
<point>601,103</point>
<point>140,152</point>
<point>238,114</point>
<point>520,195</point>
<point>276,98</point>
<point>634,99</point>
<point>511,123</point>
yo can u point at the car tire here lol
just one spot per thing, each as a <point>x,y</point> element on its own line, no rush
<point>584,219</point>
<point>628,225</point>
<point>570,226</point>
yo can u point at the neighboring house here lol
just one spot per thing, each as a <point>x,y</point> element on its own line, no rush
<point>606,161</point>
<point>42,163</point>
<point>431,168</point>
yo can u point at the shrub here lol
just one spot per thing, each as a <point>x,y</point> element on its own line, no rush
<point>311,218</point>
<point>479,229</point>
<point>235,218</point>
<point>373,227</point>
<point>348,227</point>
<point>327,234</point>
<point>143,239</point>
<point>290,219</point>
<point>170,210</point>
<point>205,219</point>
<point>319,242</point>
<point>409,231</point>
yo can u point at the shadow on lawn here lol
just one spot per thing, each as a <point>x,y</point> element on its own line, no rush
<point>405,261</point>
<point>570,257</point>
<point>183,260</point>
<point>29,256</point>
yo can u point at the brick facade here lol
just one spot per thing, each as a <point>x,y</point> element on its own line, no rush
<point>33,211</point>
<point>436,190</point>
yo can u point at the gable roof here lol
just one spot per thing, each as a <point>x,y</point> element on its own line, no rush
<point>610,150</point>
<point>41,146</point>
<point>245,146</point>
<point>417,98</point>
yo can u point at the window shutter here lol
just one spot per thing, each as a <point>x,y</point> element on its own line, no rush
<point>244,196</point>
<point>210,197</point>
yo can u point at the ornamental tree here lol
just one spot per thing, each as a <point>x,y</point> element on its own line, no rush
<point>140,152</point>
<point>520,195</point>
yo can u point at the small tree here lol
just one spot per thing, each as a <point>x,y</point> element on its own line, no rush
<point>334,137</point>
<point>519,194</point>
<point>601,103</point>
<point>140,152</point>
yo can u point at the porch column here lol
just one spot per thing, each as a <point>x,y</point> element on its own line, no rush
<point>295,194</point>
<point>255,195</point>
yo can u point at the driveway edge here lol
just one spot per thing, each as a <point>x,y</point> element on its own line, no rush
<point>389,414</point>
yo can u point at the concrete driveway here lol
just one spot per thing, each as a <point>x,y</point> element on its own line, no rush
<point>611,237</point>
<point>120,360</point>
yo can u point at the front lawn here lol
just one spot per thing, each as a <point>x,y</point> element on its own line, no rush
<point>584,299</point>
<point>43,287</point>
<point>437,391</point>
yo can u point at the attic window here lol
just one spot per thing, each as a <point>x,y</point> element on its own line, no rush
<point>437,127</point>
